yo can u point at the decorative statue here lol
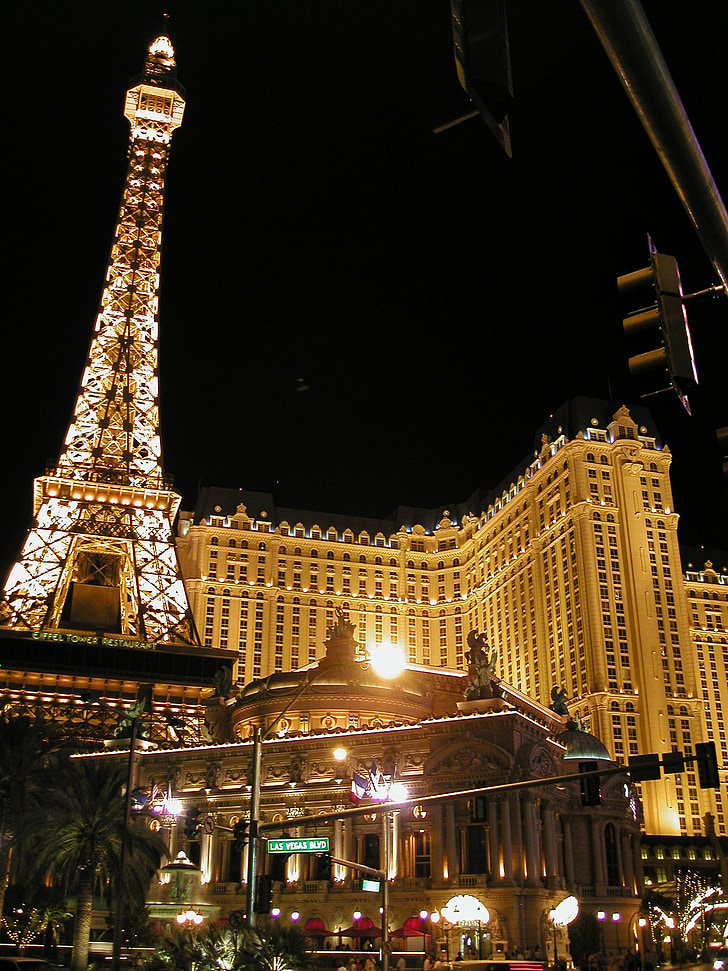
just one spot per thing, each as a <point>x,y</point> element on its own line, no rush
<point>558,697</point>
<point>224,681</point>
<point>481,668</point>
<point>126,721</point>
<point>340,627</point>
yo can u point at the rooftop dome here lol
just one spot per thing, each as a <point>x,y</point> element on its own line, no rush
<point>581,745</point>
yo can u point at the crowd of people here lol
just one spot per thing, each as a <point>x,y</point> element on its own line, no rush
<point>628,960</point>
<point>622,960</point>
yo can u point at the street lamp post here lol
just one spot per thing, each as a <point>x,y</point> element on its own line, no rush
<point>616,916</point>
<point>259,736</point>
<point>601,917</point>
<point>423,918</point>
<point>562,915</point>
<point>120,901</point>
<point>386,944</point>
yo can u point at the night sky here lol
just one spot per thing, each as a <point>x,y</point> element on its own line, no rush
<point>355,312</point>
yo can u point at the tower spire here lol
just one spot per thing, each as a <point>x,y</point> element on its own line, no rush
<point>100,552</point>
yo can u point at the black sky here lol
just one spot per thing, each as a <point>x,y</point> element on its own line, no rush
<point>438,299</point>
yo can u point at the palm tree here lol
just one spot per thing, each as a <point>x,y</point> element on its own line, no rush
<point>76,832</point>
<point>269,947</point>
<point>210,948</point>
<point>273,947</point>
<point>27,744</point>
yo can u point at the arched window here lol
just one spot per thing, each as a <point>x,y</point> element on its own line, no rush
<point>612,854</point>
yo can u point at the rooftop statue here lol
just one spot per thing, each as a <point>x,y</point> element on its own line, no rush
<point>341,627</point>
<point>558,697</point>
<point>481,668</point>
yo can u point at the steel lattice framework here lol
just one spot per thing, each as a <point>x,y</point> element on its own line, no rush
<point>103,515</point>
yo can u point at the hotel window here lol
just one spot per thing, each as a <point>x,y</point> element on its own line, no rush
<point>422,854</point>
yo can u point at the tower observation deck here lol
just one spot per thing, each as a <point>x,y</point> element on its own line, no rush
<point>100,554</point>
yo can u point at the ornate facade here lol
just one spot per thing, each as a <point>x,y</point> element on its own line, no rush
<point>571,567</point>
<point>518,851</point>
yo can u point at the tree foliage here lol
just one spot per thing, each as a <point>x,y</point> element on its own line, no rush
<point>76,832</point>
<point>270,947</point>
<point>27,746</point>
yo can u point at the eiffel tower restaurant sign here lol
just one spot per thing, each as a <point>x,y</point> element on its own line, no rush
<point>71,638</point>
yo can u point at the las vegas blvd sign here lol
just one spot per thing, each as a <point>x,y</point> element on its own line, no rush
<point>318,844</point>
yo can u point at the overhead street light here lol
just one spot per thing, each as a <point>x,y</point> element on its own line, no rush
<point>386,667</point>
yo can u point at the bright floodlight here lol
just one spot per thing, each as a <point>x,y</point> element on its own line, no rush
<point>340,754</point>
<point>565,912</point>
<point>387,660</point>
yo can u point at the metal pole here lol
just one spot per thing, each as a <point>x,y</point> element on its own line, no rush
<point>385,895</point>
<point>119,917</point>
<point>627,38</point>
<point>253,828</point>
<point>258,736</point>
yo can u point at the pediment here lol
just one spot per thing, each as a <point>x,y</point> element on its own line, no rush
<point>468,757</point>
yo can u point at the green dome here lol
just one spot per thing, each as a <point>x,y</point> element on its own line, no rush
<point>582,745</point>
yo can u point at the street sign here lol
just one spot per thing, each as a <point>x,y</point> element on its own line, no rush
<point>208,825</point>
<point>317,844</point>
<point>372,886</point>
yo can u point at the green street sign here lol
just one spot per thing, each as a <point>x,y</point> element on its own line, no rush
<point>318,844</point>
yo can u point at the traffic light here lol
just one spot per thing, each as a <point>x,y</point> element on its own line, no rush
<point>323,866</point>
<point>643,767</point>
<point>241,834</point>
<point>263,893</point>
<point>707,765</point>
<point>483,61</point>
<point>658,329</point>
<point>193,823</point>
<point>591,792</point>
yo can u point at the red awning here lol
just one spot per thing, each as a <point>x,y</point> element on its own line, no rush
<point>363,928</point>
<point>412,927</point>
<point>315,928</point>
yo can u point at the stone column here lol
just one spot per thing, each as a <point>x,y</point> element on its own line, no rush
<point>349,846</point>
<point>451,841</point>
<point>338,871</point>
<point>294,869</point>
<point>394,862</point>
<point>528,803</point>
<point>549,846</point>
<point>598,856</point>
<point>434,818</point>
<point>568,852</point>
<point>206,857</point>
<point>627,861</point>
<point>507,841</point>
<point>494,840</point>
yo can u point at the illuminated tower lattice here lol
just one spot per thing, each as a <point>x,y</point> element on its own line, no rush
<point>100,553</point>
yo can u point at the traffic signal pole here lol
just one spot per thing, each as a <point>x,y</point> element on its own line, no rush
<point>639,769</point>
<point>259,736</point>
<point>380,875</point>
<point>628,40</point>
<point>253,830</point>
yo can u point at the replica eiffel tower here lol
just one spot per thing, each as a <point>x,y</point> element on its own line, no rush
<point>100,554</point>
